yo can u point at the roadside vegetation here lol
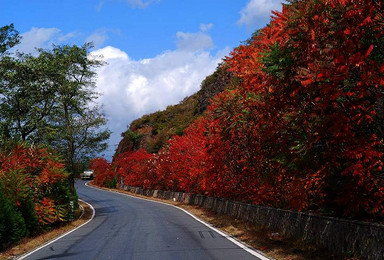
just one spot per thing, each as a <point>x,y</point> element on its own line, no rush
<point>292,119</point>
<point>302,128</point>
<point>49,128</point>
<point>28,244</point>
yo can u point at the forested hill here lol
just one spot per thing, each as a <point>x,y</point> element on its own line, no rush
<point>152,131</point>
<point>300,127</point>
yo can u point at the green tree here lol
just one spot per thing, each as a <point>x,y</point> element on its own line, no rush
<point>9,37</point>
<point>27,95</point>
<point>50,98</point>
<point>75,126</point>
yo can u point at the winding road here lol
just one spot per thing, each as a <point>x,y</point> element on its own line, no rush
<point>126,227</point>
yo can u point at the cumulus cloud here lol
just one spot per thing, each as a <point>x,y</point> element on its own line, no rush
<point>258,10</point>
<point>131,88</point>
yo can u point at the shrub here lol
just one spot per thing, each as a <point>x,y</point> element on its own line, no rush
<point>12,225</point>
<point>35,191</point>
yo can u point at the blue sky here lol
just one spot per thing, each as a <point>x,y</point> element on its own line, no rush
<point>158,51</point>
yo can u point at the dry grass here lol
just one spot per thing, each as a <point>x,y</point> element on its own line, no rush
<point>28,244</point>
<point>271,244</point>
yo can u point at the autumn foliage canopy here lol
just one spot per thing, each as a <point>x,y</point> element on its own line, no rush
<point>304,128</point>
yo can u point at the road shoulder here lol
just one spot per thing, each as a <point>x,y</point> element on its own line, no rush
<point>29,245</point>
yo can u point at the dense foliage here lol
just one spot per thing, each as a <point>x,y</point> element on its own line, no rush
<point>104,176</point>
<point>34,192</point>
<point>50,98</point>
<point>46,100</point>
<point>314,81</point>
<point>303,130</point>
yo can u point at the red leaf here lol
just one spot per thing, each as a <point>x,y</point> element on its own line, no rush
<point>306,82</point>
<point>369,51</point>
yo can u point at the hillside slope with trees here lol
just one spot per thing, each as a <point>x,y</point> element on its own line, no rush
<point>303,130</point>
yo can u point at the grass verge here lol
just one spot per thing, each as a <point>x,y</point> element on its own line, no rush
<point>272,244</point>
<point>28,244</point>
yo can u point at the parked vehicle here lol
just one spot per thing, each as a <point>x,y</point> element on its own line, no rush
<point>87,174</point>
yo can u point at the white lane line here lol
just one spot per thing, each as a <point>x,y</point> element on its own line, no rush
<point>222,233</point>
<point>69,232</point>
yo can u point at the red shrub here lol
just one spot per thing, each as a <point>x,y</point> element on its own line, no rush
<point>103,174</point>
<point>30,175</point>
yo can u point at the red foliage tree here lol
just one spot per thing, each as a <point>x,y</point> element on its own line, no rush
<point>133,168</point>
<point>316,71</point>
<point>103,174</point>
<point>182,164</point>
<point>32,175</point>
<point>303,131</point>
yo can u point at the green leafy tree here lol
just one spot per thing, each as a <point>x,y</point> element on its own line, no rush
<point>75,126</point>
<point>27,95</point>
<point>9,37</point>
<point>50,98</point>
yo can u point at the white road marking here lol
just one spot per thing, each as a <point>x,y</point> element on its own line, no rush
<point>222,233</point>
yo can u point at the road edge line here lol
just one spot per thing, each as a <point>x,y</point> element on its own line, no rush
<point>60,237</point>
<point>234,240</point>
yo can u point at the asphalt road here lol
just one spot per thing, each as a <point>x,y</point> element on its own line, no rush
<point>131,228</point>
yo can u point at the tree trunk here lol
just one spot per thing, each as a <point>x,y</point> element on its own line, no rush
<point>71,148</point>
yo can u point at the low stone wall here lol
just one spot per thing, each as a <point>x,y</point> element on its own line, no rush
<point>355,238</point>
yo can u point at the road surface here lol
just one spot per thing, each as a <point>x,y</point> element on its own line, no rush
<point>130,228</point>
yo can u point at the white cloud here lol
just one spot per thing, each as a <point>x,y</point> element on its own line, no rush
<point>97,38</point>
<point>45,37</point>
<point>193,41</point>
<point>132,88</point>
<point>109,53</point>
<point>42,38</point>
<point>132,3</point>
<point>67,36</point>
<point>205,27</point>
<point>140,3</point>
<point>37,38</point>
<point>258,10</point>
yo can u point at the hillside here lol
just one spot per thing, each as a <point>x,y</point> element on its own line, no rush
<point>301,129</point>
<point>151,131</point>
